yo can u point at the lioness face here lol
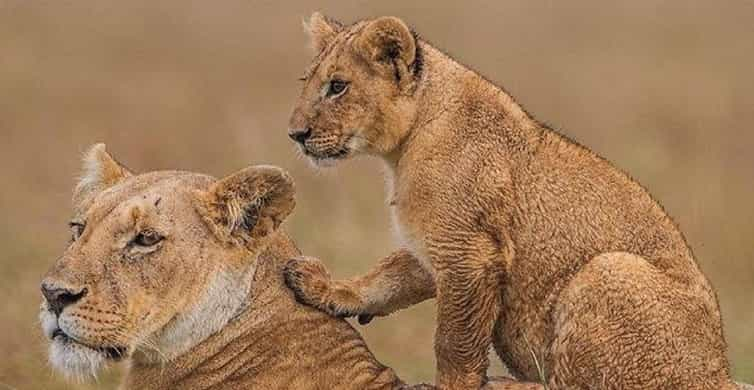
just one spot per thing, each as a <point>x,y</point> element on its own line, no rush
<point>143,250</point>
<point>133,260</point>
<point>357,93</point>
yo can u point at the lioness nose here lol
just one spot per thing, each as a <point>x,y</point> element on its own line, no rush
<point>300,135</point>
<point>58,297</point>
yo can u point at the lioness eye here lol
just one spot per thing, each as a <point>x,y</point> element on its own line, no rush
<point>76,229</point>
<point>147,238</point>
<point>337,87</point>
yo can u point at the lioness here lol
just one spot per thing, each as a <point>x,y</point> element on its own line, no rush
<point>181,274</point>
<point>528,240</point>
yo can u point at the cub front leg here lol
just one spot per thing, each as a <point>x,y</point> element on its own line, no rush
<point>398,281</point>
<point>469,282</point>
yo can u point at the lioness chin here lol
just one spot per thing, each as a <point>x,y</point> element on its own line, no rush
<point>528,240</point>
<point>181,274</point>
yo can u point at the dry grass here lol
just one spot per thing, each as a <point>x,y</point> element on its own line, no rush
<point>662,88</point>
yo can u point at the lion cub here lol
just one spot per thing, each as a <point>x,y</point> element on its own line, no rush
<point>528,240</point>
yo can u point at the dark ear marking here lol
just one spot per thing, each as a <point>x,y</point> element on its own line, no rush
<point>247,206</point>
<point>392,52</point>
<point>390,44</point>
<point>250,217</point>
<point>418,65</point>
<point>396,72</point>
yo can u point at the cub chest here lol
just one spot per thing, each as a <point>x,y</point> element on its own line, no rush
<point>409,231</point>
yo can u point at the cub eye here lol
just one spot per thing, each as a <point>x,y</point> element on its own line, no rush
<point>337,87</point>
<point>76,229</point>
<point>147,238</point>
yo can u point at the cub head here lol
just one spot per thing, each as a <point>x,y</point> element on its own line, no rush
<point>156,262</point>
<point>358,92</point>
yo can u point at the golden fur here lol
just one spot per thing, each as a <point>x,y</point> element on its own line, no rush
<point>205,307</point>
<point>529,241</point>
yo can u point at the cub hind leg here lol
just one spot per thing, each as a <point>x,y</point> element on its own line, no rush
<point>623,324</point>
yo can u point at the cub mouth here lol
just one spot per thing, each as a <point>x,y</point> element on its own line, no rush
<point>113,353</point>
<point>338,154</point>
<point>326,157</point>
<point>328,150</point>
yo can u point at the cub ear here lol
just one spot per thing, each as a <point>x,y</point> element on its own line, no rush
<point>99,172</point>
<point>321,30</point>
<point>247,205</point>
<point>387,40</point>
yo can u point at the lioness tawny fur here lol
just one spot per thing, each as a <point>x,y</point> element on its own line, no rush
<point>181,274</point>
<point>529,241</point>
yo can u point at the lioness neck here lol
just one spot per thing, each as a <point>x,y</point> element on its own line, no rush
<point>274,343</point>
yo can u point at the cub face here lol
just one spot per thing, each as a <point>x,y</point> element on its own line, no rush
<point>357,96</point>
<point>144,248</point>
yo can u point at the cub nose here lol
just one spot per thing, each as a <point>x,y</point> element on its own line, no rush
<point>60,297</point>
<point>300,135</point>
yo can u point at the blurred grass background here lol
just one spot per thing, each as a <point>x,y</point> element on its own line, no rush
<point>665,89</point>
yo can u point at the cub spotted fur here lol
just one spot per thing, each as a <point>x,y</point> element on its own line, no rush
<point>528,240</point>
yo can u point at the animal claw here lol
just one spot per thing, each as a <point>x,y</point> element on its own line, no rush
<point>365,318</point>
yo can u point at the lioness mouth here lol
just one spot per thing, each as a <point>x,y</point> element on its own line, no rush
<point>114,353</point>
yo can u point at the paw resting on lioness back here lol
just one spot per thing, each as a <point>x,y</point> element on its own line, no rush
<point>398,281</point>
<point>309,280</point>
<point>312,285</point>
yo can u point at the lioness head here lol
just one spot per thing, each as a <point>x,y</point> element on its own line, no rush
<point>358,92</point>
<point>157,262</point>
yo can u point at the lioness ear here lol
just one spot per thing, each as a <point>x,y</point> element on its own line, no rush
<point>388,41</point>
<point>99,172</point>
<point>321,30</point>
<point>248,205</point>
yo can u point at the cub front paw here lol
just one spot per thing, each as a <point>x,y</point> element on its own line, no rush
<point>311,285</point>
<point>309,280</point>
